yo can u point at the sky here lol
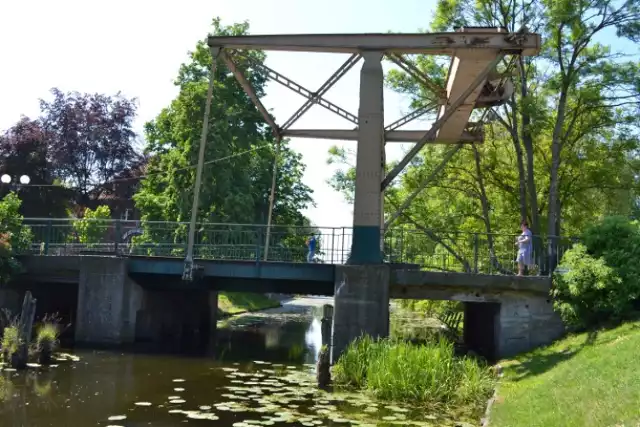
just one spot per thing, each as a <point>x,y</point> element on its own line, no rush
<point>136,47</point>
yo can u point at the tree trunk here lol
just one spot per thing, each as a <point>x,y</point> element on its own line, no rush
<point>527,141</point>
<point>522,178</point>
<point>553,219</point>
<point>485,211</point>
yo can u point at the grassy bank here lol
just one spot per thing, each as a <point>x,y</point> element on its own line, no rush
<point>585,380</point>
<point>230,303</point>
<point>426,375</point>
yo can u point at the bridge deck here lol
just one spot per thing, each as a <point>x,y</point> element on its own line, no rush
<point>407,282</point>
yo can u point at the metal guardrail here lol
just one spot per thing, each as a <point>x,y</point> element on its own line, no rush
<point>433,250</point>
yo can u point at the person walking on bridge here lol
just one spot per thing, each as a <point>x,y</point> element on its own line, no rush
<point>311,244</point>
<point>524,242</point>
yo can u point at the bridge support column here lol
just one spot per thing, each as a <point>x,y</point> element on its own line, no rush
<point>108,301</point>
<point>368,202</point>
<point>361,304</point>
<point>525,323</point>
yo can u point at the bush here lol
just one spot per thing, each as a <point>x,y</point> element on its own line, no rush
<point>14,237</point>
<point>617,241</point>
<point>93,227</point>
<point>429,374</point>
<point>589,292</point>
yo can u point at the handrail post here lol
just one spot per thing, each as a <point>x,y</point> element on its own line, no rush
<point>118,235</point>
<point>475,253</point>
<point>47,236</point>
<point>333,239</point>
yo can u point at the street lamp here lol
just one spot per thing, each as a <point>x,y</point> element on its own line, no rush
<point>24,179</point>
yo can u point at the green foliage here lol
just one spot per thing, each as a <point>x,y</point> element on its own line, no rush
<point>589,292</point>
<point>617,241</point>
<point>47,333</point>
<point>426,375</point>
<point>561,152</point>
<point>93,227</point>
<point>14,237</point>
<point>10,340</point>
<point>239,156</point>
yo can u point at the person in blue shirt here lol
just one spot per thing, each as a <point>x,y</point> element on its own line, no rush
<point>311,244</point>
<point>524,242</point>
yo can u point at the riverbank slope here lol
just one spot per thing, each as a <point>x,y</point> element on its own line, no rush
<point>232,303</point>
<point>584,380</point>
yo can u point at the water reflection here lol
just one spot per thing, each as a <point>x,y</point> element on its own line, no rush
<point>313,339</point>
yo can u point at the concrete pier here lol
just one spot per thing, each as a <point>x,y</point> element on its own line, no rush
<point>361,304</point>
<point>108,302</point>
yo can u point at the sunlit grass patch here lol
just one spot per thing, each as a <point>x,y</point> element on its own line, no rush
<point>428,375</point>
<point>230,303</point>
<point>588,379</point>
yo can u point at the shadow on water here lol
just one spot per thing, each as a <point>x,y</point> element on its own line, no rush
<point>260,372</point>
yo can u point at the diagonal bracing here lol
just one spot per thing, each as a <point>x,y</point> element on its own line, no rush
<point>314,98</point>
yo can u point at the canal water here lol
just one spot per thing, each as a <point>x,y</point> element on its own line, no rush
<point>261,372</point>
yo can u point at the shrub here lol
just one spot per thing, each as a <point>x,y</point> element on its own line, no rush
<point>14,236</point>
<point>589,292</point>
<point>427,374</point>
<point>10,341</point>
<point>94,226</point>
<point>617,241</point>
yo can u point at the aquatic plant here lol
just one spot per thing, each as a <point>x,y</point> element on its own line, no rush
<point>10,341</point>
<point>47,337</point>
<point>428,374</point>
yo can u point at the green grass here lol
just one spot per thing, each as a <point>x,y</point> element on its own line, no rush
<point>230,303</point>
<point>427,375</point>
<point>584,380</point>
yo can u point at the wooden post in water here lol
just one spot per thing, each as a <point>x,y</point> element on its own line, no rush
<point>323,374</point>
<point>19,360</point>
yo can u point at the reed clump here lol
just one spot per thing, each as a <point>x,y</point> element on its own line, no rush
<point>429,375</point>
<point>47,336</point>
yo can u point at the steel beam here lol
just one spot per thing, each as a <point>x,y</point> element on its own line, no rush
<point>527,44</point>
<point>272,197</point>
<point>450,110</point>
<point>335,77</point>
<point>390,136</point>
<point>301,90</point>
<point>410,117</point>
<point>250,92</point>
<point>187,273</point>
<point>422,186</point>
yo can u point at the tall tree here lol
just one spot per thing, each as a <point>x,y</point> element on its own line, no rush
<point>595,154</point>
<point>90,139</point>
<point>24,150</point>
<point>239,154</point>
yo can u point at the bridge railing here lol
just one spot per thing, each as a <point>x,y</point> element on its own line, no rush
<point>488,253</point>
<point>169,239</point>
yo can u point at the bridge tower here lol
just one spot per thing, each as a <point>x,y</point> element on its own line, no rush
<point>362,285</point>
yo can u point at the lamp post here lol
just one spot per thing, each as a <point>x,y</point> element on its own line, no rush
<point>23,180</point>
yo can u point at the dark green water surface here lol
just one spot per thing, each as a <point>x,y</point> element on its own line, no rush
<point>261,372</point>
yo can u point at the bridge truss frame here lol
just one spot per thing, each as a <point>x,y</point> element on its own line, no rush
<point>370,132</point>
